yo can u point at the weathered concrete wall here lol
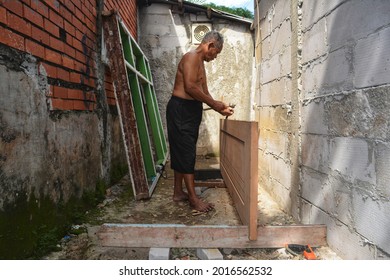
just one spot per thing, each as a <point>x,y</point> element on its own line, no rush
<point>60,140</point>
<point>47,158</point>
<point>337,89</point>
<point>165,36</point>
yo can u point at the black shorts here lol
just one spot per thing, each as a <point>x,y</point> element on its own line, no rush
<point>183,121</point>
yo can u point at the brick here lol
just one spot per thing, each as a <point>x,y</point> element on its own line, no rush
<point>3,15</point>
<point>50,91</point>
<point>63,74</point>
<point>79,66</point>
<point>51,28</point>
<point>33,16</point>
<point>111,101</point>
<point>77,45</point>
<point>159,253</point>
<point>53,56</point>
<point>54,4</point>
<point>110,94</point>
<point>40,35</point>
<point>68,62</point>
<point>56,18</point>
<point>69,28</point>
<point>209,254</point>
<point>65,13</point>
<point>69,5</point>
<point>35,49</point>
<point>91,25</point>
<point>75,77</point>
<point>11,39</point>
<point>51,71</point>
<point>19,24</point>
<point>14,6</point>
<point>79,26</point>
<point>69,50</point>
<point>79,34</point>
<point>81,105</point>
<point>56,44</point>
<point>79,14</point>
<point>61,104</point>
<point>92,81</point>
<point>60,92</point>
<point>75,94</point>
<point>40,7</point>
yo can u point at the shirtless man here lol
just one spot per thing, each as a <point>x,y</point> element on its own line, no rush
<point>184,114</point>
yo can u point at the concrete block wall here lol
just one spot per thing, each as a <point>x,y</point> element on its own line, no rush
<point>165,36</point>
<point>273,95</point>
<point>60,133</point>
<point>342,90</point>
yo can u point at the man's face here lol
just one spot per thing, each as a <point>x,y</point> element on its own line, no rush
<point>212,52</point>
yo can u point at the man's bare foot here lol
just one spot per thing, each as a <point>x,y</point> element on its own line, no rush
<point>180,196</point>
<point>200,205</point>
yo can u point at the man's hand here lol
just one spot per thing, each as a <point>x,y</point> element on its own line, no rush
<point>218,106</point>
<point>228,111</point>
<point>222,108</point>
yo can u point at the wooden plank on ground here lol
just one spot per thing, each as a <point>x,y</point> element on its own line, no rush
<point>238,161</point>
<point>208,236</point>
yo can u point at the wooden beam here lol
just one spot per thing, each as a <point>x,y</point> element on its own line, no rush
<point>210,184</point>
<point>208,236</point>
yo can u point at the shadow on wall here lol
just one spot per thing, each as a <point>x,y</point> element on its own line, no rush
<point>345,124</point>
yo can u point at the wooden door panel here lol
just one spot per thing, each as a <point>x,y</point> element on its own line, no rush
<point>238,155</point>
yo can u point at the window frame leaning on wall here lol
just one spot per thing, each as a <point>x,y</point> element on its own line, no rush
<point>142,130</point>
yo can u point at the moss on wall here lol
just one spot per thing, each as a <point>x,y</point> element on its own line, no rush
<point>32,226</point>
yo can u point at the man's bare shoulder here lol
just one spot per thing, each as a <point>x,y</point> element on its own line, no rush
<point>191,56</point>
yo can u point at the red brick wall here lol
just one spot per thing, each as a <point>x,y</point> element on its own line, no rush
<point>61,34</point>
<point>127,10</point>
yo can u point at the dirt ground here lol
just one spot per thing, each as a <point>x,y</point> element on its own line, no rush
<point>82,242</point>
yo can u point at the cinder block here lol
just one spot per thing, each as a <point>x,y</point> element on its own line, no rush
<point>159,253</point>
<point>354,21</point>
<point>317,79</point>
<point>371,68</point>
<point>371,216</point>
<point>315,42</point>
<point>209,254</point>
<point>312,11</point>
<point>353,159</point>
<point>270,69</point>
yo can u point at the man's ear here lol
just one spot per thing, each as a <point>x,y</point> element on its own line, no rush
<point>211,45</point>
